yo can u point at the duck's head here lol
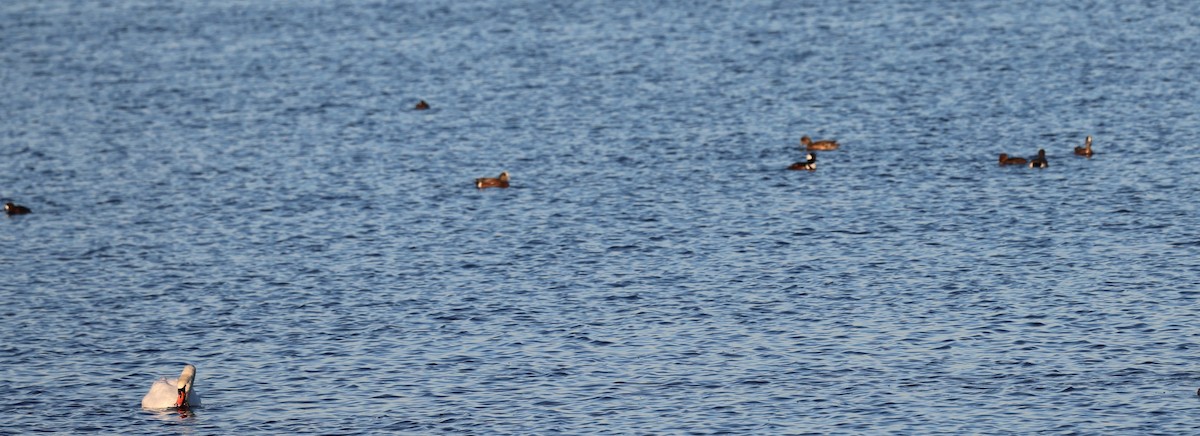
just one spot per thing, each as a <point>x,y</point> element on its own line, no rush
<point>504,176</point>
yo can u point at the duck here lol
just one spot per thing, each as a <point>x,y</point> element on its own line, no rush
<point>489,182</point>
<point>1086,150</point>
<point>822,145</point>
<point>1040,160</point>
<point>810,163</point>
<point>176,393</point>
<point>421,105</point>
<point>1005,160</point>
<point>15,209</point>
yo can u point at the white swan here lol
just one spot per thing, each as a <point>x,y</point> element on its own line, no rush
<point>168,393</point>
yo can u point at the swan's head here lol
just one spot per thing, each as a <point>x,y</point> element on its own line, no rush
<point>184,384</point>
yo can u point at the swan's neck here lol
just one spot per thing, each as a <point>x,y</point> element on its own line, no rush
<point>186,378</point>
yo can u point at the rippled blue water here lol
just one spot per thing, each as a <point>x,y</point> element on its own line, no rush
<point>243,185</point>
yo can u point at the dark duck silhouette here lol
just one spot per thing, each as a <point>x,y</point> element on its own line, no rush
<point>810,164</point>
<point>15,209</point>
<point>1040,160</point>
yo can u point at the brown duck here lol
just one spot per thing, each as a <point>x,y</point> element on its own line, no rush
<point>1086,150</point>
<point>822,145</point>
<point>1005,160</point>
<point>490,182</point>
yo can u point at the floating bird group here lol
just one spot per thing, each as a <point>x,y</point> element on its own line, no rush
<point>808,164</point>
<point>810,159</point>
<point>178,393</point>
<point>1040,161</point>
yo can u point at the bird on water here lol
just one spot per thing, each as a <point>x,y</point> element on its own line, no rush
<point>492,182</point>
<point>176,393</point>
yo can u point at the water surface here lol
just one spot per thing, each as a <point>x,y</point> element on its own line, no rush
<point>245,186</point>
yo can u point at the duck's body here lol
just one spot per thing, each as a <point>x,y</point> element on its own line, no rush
<point>1086,150</point>
<point>1039,161</point>
<point>1005,160</point>
<point>421,105</point>
<point>168,393</point>
<point>810,164</point>
<point>822,145</point>
<point>490,182</point>
<point>15,209</point>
